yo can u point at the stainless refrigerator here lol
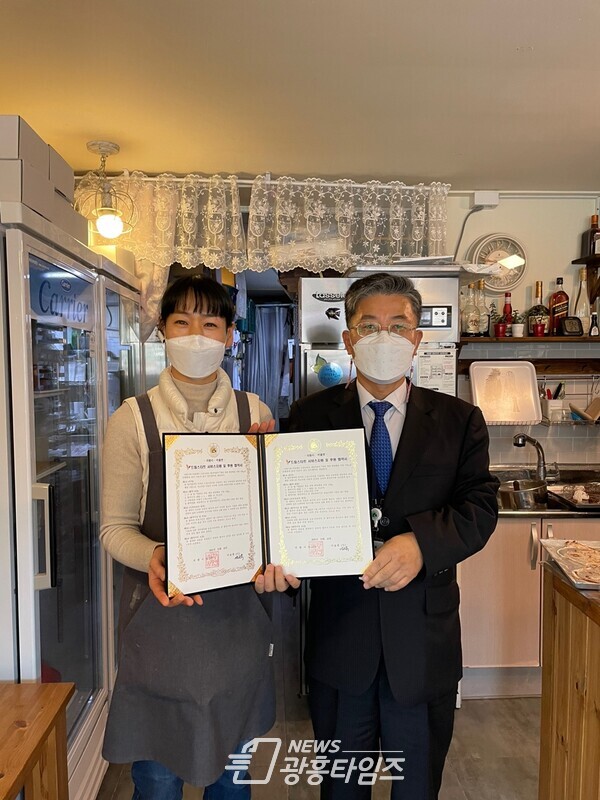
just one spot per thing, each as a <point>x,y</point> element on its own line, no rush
<point>322,358</point>
<point>123,376</point>
<point>54,595</point>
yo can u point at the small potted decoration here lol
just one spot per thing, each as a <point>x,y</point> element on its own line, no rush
<point>539,327</point>
<point>499,325</point>
<point>518,325</point>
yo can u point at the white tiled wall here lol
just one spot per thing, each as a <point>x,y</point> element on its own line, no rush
<point>570,348</point>
<point>564,443</point>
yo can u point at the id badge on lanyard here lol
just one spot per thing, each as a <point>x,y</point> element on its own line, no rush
<point>376,515</point>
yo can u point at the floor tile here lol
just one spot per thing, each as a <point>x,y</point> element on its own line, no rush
<point>493,756</point>
<point>511,729</point>
<point>497,778</point>
<point>110,781</point>
<point>124,789</point>
<point>451,786</point>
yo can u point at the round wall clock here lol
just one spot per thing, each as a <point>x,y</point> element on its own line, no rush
<point>507,253</point>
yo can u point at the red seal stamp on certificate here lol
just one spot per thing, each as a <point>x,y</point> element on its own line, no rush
<point>316,548</point>
<point>211,559</point>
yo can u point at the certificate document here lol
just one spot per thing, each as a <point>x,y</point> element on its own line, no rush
<point>235,502</point>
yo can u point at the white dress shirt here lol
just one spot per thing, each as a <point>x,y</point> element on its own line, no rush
<point>394,416</point>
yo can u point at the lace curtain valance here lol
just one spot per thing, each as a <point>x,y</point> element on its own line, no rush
<point>318,225</point>
<point>311,224</point>
<point>192,220</point>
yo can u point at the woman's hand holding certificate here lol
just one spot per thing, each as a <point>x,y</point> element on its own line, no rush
<point>156,582</point>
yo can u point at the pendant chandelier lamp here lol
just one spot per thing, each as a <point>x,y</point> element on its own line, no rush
<point>110,207</point>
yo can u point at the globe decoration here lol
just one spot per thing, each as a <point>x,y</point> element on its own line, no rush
<point>329,373</point>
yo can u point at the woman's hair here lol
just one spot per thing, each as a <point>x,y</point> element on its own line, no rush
<point>207,296</point>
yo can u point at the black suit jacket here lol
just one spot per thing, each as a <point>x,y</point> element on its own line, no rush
<point>441,489</point>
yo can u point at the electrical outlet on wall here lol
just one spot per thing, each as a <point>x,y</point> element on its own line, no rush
<point>485,199</point>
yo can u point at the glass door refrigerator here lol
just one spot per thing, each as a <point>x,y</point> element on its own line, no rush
<point>121,366</point>
<point>50,435</point>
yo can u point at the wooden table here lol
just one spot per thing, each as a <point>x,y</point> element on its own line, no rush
<point>33,740</point>
<point>570,726</point>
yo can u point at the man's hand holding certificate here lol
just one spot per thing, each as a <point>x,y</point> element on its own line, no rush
<point>236,502</point>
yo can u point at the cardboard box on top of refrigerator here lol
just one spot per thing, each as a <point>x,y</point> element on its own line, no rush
<point>22,183</point>
<point>61,175</point>
<point>67,219</point>
<point>19,140</point>
<point>118,255</point>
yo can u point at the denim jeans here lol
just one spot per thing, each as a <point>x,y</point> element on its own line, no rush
<point>152,781</point>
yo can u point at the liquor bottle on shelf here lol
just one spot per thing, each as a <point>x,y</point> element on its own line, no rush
<point>590,239</point>
<point>582,304</point>
<point>594,330</point>
<point>507,313</point>
<point>559,307</point>
<point>538,312</point>
<point>484,312</point>
<point>470,314</point>
<point>493,313</point>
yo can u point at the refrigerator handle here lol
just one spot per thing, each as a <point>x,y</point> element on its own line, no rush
<point>42,493</point>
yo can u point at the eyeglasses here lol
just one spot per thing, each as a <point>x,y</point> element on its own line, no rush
<point>395,329</point>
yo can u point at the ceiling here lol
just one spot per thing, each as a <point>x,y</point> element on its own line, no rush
<point>492,94</point>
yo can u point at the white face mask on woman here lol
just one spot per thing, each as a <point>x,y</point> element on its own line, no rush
<point>195,356</point>
<point>383,357</point>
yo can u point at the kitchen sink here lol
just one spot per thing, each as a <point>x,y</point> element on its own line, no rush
<point>572,474</point>
<point>553,503</point>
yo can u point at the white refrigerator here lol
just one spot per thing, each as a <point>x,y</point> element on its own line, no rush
<point>55,589</point>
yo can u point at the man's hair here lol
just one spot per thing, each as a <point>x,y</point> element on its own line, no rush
<point>381,283</point>
<point>206,295</point>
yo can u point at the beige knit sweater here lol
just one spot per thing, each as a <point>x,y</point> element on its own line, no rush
<point>122,485</point>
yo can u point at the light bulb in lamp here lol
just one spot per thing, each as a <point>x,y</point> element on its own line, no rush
<point>109,225</point>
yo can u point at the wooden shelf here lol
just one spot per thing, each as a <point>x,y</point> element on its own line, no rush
<point>588,261</point>
<point>592,264</point>
<point>529,339</point>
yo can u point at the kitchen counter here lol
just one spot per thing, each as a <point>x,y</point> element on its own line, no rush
<point>557,508</point>
<point>570,734</point>
<point>545,513</point>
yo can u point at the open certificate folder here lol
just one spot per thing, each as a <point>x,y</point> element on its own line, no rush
<point>235,502</point>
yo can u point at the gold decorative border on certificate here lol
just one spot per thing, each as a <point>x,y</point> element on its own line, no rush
<point>343,444</point>
<point>182,571</point>
<point>170,440</point>
<point>252,438</point>
<point>172,590</point>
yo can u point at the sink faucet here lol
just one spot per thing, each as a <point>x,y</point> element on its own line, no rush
<point>520,440</point>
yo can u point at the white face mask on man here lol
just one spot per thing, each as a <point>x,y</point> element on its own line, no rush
<point>383,357</point>
<point>195,356</point>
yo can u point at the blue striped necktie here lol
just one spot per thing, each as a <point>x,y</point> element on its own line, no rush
<point>381,445</point>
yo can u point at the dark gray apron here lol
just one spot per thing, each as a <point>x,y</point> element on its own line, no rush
<point>192,682</point>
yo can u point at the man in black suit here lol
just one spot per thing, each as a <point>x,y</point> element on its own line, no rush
<point>383,652</point>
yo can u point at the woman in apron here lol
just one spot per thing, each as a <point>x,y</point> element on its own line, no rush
<point>195,676</point>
